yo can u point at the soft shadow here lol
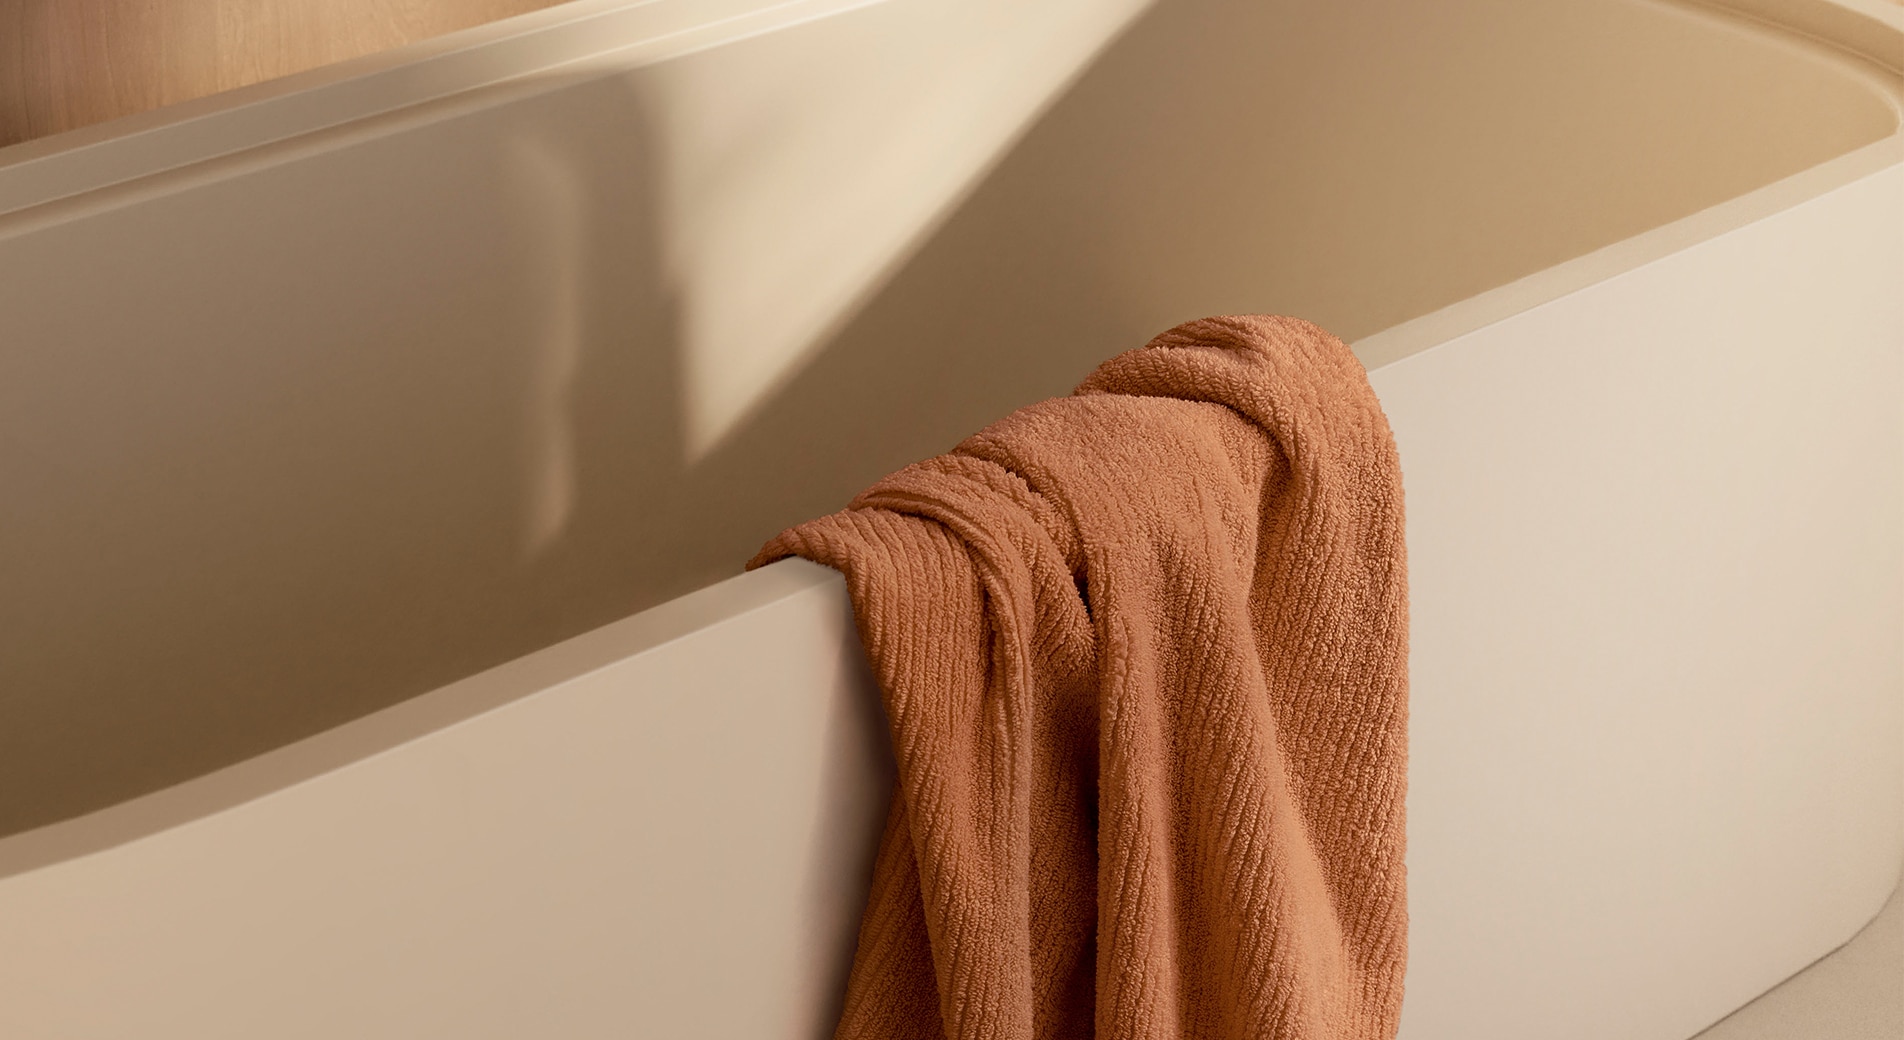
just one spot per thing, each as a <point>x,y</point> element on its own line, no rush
<point>338,480</point>
<point>271,483</point>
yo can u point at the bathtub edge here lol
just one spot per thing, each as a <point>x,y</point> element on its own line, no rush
<point>1430,330</point>
<point>381,732</point>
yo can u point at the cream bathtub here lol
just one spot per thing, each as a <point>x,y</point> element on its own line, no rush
<point>333,410</point>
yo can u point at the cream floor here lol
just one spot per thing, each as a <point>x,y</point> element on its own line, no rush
<point>1854,993</point>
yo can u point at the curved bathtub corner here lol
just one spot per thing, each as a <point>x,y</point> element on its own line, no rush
<point>336,400</point>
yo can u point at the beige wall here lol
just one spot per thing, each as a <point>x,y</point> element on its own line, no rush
<point>71,63</point>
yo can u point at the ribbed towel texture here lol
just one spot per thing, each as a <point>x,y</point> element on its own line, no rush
<point>1143,654</point>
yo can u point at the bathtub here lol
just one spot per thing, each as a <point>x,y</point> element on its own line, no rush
<point>381,444</point>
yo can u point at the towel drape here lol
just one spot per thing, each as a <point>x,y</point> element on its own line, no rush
<point>1143,655</point>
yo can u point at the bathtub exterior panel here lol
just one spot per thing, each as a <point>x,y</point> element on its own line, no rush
<point>1656,548</point>
<point>663,828</point>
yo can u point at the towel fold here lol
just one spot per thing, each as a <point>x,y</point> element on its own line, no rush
<point>1143,654</point>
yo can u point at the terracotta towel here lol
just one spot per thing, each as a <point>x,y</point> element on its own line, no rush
<point>1143,653</point>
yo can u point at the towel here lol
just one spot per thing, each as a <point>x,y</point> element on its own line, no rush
<point>1143,653</point>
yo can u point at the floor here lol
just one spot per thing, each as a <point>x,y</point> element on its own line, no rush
<point>1854,993</point>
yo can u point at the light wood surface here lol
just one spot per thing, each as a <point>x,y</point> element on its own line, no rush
<point>70,63</point>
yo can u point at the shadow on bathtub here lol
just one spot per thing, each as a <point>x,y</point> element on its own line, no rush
<point>474,391</point>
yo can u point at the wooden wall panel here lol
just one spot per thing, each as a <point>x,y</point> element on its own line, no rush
<point>12,85</point>
<point>72,63</point>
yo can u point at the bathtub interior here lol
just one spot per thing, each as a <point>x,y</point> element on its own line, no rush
<point>308,428</point>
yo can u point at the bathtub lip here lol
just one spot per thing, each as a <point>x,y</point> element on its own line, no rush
<point>1870,36</point>
<point>266,122</point>
<point>540,51</point>
<point>540,672</point>
<point>1869,30</point>
<point>1411,337</point>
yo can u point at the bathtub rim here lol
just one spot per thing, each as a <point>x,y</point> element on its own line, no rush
<point>1485,308</point>
<point>1867,35</point>
<point>387,730</point>
<point>484,65</point>
<point>115,163</point>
